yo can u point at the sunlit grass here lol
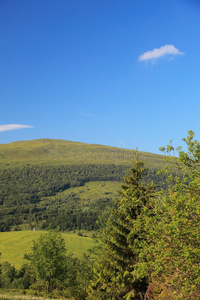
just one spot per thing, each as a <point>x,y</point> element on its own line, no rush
<point>18,297</point>
<point>13,245</point>
<point>54,152</point>
<point>91,190</point>
<point>26,297</point>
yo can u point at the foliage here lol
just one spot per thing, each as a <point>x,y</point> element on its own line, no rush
<point>173,232</point>
<point>78,273</point>
<point>24,185</point>
<point>23,189</point>
<point>81,272</point>
<point>151,244</point>
<point>15,243</point>
<point>48,260</point>
<point>35,196</point>
<point>11,278</point>
<point>114,270</point>
<point>54,269</point>
<point>174,253</point>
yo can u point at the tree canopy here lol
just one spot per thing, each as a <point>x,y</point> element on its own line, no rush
<point>150,246</point>
<point>48,259</point>
<point>114,272</point>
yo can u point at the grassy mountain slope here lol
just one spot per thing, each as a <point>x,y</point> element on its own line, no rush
<point>37,179</point>
<point>54,152</point>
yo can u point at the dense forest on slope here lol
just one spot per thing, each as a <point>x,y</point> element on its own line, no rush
<point>34,172</point>
<point>24,185</point>
<point>24,189</point>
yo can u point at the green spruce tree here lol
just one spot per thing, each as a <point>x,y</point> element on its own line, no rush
<point>119,250</point>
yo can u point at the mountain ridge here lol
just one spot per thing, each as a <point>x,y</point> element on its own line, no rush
<point>58,151</point>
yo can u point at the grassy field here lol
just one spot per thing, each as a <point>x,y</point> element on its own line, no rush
<point>94,189</point>
<point>91,191</point>
<point>14,244</point>
<point>17,295</point>
<point>54,152</point>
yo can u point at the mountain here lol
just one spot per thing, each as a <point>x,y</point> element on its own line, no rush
<point>61,184</point>
<point>54,152</point>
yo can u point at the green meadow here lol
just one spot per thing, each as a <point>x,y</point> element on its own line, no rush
<point>55,152</point>
<point>89,192</point>
<point>14,244</point>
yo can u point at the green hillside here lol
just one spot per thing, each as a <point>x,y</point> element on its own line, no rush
<point>53,152</point>
<point>13,245</point>
<point>44,182</point>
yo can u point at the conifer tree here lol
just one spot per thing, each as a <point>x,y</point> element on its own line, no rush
<point>118,253</point>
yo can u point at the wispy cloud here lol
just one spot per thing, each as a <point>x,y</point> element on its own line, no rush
<point>13,127</point>
<point>160,52</point>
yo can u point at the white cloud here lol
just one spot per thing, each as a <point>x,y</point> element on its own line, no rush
<point>13,126</point>
<point>160,52</point>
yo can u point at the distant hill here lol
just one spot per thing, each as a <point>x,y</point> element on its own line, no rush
<point>41,182</point>
<point>54,152</point>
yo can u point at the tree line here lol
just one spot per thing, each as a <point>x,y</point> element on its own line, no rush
<point>50,269</point>
<point>24,188</point>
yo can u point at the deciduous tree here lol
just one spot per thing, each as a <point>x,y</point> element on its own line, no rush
<point>174,231</point>
<point>48,260</point>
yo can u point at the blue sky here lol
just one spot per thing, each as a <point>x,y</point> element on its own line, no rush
<point>112,72</point>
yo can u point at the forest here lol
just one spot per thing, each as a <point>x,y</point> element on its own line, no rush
<point>26,195</point>
<point>147,247</point>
